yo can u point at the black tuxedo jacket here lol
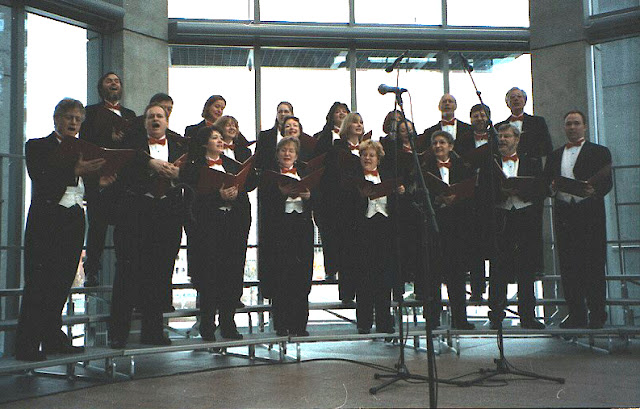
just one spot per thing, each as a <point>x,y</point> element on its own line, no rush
<point>266,148</point>
<point>137,177</point>
<point>192,130</point>
<point>535,139</point>
<point>462,129</point>
<point>591,159</point>
<point>190,174</point>
<point>49,178</point>
<point>98,125</point>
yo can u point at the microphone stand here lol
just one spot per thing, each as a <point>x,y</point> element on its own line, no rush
<point>503,367</point>
<point>428,222</point>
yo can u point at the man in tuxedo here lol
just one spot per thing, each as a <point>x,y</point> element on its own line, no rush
<point>467,143</point>
<point>518,229</point>
<point>268,139</point>
<point>148,231</point>
<point>105,125</point>
<point>448,123</point>
<point>54,235</point>
<point>580,223</point>
<point>535,140</point>
<point>166,102</point>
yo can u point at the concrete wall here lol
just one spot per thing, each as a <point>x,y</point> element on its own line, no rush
<point>559,61</point>
<point>137,51</point>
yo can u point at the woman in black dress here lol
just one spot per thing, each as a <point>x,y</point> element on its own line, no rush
<point>217,234</point>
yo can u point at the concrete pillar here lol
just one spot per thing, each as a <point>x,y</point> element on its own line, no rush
<point>560,70</point>
<point>137,50</point>
<point>560,61</point>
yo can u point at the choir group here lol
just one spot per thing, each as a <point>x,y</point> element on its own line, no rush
<point>149,182</point>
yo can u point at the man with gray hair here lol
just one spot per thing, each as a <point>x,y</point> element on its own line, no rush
<point>518,252</point>
<point>535,139</point>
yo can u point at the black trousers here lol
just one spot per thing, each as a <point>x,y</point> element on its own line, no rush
<point>217,254</point>
<point>147,240</point>
<point>52,246</point>
<point>511,263</point>
<point>581,235</point>
<point>290,302</point>
<point>373,293</point>
<point>101,212</point>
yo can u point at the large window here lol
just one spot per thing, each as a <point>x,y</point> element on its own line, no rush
<point>425,12</point>
<point>494,76</point>
<point>311,79</point>
<point>490,13</point>
<point>419,74</point>
<point>605,6</point>
<point>617,86</point>
<point>326,11</point>
<point>207,9</point>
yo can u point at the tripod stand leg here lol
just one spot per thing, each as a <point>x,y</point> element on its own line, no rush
<point>392,380</point>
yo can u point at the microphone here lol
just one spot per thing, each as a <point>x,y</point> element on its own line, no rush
<point>465,63</point>
<point>396,62</point>
<point>383,89</point>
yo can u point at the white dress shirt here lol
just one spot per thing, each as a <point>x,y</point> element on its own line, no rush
<point>73,195</point>
<point>510,169</point>
<point>220,168</point>
<point>293,204</point>
<point>569,158</point>
<point>157,151</point>
<point>378,205</point>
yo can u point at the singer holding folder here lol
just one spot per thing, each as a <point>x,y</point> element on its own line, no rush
<point>288,242</point>
<point>454,218</point>
<point>53,236</point>
<point>375,244</point>
<point>217,233</point>
<point>580,222</point>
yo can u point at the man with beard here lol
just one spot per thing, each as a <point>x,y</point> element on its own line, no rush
<point>105,125</point>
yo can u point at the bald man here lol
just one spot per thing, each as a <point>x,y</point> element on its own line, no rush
<point>447,106</point>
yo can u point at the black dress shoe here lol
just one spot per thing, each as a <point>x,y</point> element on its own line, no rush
<point>531,324</point>
<point>208,336</point>
<point>475,297</point>
<point>157,340</point>
<point>495,325</point>
<point>282,332</point>
<point>231,334</point>
<point>364,331</point>
<point>117,344</point>
<point>386,330</point>
<point>570,322</point>
<point>62,349</point>
<point>91,280</point>
<point>303,333</point>
<point>348,303</point>
<point>239,305</point>
<point>596,324</point>
<point>466,325</point>
<point>31,356</point>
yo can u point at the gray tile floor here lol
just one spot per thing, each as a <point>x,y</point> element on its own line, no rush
<point>204,380</point>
